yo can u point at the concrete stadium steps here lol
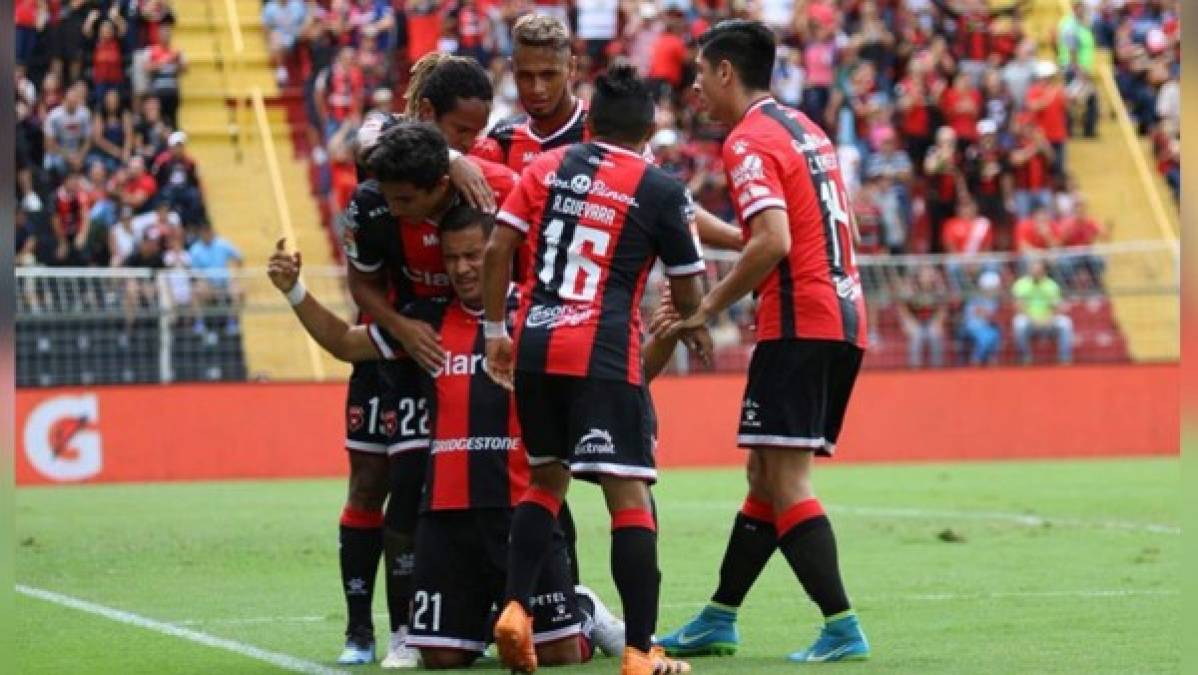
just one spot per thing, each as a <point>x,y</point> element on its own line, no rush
<point>1122,194</point>
<point>238,190</point>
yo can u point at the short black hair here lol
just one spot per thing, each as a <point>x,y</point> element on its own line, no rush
<point>748,45</point>
<point>463,217</point>
<point>443,79</point>
<point>410,152</point>
<point>622,105</point>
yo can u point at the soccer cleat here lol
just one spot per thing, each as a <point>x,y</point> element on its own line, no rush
<point>359,650</point>
<point>600,626</point>
<point>841,639</point>
<point>513,638</point>
<point>711,633</point>
<point>655,662</point>
<point>399,654</point>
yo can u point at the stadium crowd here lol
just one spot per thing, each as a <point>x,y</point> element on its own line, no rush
<point>103,173</point>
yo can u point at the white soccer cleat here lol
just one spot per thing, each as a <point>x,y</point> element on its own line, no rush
<point>604,629</point>
<point>399,654</point>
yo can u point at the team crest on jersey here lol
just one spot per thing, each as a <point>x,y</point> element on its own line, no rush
<point>529,155</point>
<point>355,417</point>
<point>740,147</point>
<point>389,422</point>
<point>749,415</point>
<point>581,184</point>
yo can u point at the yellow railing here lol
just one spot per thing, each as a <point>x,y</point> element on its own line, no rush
<point>238,68</point>
<point>282,209</point>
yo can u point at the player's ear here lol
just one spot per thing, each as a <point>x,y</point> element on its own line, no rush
<point>425,111</point>
<point>725,72</point>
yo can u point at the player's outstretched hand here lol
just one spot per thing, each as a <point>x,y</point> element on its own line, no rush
<point>284,268</point>
<point>469,180</point>
<point>664,318</point>
<point>421,342</point>
<point>695,321</point>
<point>500,363</point>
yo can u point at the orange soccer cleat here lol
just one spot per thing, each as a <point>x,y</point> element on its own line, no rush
<point>513,638</point>
<point>655,662</point>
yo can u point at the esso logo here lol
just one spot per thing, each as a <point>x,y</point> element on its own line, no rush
<point>61,439</point>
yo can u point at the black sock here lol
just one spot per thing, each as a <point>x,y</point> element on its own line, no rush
<point>399,537</point>
<point>566,520</point>
<point>361,544</point>
<point>529,544</point>
<point>400,560</point>
<point>634,570</point>
<point>750,546</point>
<point>810,548</point>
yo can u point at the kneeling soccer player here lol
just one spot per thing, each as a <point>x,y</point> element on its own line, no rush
<point>477,471</point>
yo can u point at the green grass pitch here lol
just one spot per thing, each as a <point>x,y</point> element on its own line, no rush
<point>955,568</point>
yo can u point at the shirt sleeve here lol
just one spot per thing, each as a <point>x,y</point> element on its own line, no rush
<point>754,178</point>
<point>518,208</point>
<point>361,235</point>
<point>677,236</point>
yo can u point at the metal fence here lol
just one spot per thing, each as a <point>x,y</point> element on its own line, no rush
<point>93,326</point>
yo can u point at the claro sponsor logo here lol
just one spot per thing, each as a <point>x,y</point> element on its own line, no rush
<point>61,439</point>
<point>473,443</point>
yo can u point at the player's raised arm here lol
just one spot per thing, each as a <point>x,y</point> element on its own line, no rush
<point>331,332</point>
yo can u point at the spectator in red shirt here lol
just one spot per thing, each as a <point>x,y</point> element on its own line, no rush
<point>923,313</point>
<point>339,91</point>
<point>966,234</point>
<point>25,21</point>
<point>70,221</point>
<point>942,166</point>
<point>961,105</point>
<point>1031,161</point>
<point>165,65</point>
<point>138,187</point>
<point>108,69</point>
<point>917,94</point>
<point>1037,233</point>
<point>1080,229</point>
<point>1046,100</point>
<point>669,55</point>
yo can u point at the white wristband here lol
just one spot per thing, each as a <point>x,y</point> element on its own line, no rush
<point>454,155</point>
<point>494,329</point>
<point>297,293</point>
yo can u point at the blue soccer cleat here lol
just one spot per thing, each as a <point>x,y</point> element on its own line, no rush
<point>359,651</point>
<point>711,633</point>
<point>841,639</point>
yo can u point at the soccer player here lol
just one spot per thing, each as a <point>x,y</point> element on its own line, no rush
<point>393,260</point>
<point>478,470</point>
<point>811,333</point>
<point>593,218</point>
<point>553,116</point>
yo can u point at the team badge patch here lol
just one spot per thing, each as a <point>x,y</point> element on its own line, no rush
<point>389,422</point>
<point>355,416</point>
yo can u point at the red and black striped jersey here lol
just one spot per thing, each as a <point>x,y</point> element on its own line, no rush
<point>777,158</point>
<point>512,141</point>
<point>595,218</point>
<point>409,251</point>
<point>476,460</point>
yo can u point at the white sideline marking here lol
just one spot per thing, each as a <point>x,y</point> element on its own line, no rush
<point>120,616</point>
<point>1021,519</point>
<point>1024,519</point>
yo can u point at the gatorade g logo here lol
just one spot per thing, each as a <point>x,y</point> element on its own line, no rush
<point>61,439</point>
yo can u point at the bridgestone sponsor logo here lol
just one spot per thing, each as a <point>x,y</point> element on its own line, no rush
<point>470,444</point>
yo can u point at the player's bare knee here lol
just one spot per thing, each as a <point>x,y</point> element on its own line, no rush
<point>444,659</point>
<point>759,487</point>
<point>787,474</point>
<point>368,485</point>
<point>625,493</point>
<point>564,652</point>
<point>553,478</point>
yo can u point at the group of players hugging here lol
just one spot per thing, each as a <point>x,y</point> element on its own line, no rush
<point>500,352</point>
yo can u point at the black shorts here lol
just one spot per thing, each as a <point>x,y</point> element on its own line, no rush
<point>595,427</point>
<point>458,583</point>
<point>797,394</point>
<point>385,409</point>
